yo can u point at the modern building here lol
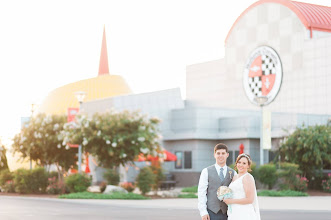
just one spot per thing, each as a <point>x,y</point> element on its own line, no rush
<point>278,51</point>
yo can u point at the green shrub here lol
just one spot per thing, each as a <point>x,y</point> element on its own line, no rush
<point>31,181</point>
<point>7,181</point>
<point>112,176</point>
<point>78,182</point>
<point>89,195</point>
<point>326,184</point>
<point>291,179</point>
<point>55,186</point>
<point>188,195</point>
<point>255,171</point>
<point>5,175</point>
<point>268,175</point>
<point>159,176</point>
<point>285,193</point>
<point>22,180</point>
<point>39,180</point>
<point>192,189</point>
<point>145,180</point>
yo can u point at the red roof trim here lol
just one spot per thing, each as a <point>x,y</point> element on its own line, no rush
<point>313,17</point>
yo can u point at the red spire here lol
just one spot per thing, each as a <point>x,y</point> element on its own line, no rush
<point>103,66</point>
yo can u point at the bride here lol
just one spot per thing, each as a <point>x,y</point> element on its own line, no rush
<point>243,205</point>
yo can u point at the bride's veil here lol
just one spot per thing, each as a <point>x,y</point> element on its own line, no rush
<point>256,204</point>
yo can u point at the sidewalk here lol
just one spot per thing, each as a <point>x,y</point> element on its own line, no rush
<point>316,203</point>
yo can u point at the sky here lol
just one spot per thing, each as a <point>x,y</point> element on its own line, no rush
<point>47,44</point>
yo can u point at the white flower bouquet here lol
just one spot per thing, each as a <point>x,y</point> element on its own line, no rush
<point>224,192</point>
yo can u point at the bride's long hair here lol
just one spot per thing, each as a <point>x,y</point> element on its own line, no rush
<point>248,159</point>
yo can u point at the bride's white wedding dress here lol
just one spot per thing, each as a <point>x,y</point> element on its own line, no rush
<point>242,212</point>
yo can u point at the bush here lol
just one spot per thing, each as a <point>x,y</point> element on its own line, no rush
<point>55,186</point>
<point>114,195</point>
<point>9,186</point>
<point>127,186</point>
<point>189,195</point>
<point>192,189</point>
<point>285,193</point>
<point>112,176</point>
<point>268,175</point>
<point>291,179</point>
<point>145,180</point>
<point>159,176</point>
<point>77,182</point>
<point>30,181</point>
<point>326,184</point>
<point>22,181</point>
<point>39,180</point>
<point>5,176</point>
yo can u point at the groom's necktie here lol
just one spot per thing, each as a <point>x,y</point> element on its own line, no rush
<point>221,174</point>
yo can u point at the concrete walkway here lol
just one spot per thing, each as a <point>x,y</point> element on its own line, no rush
<point>313,203</point>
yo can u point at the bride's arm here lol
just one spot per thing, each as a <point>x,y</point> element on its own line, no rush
<point>249,187</point>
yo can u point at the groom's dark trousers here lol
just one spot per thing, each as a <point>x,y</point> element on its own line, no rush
<point>218,216</point>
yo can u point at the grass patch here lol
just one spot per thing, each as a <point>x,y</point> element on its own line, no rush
<point>89,195</point>
<point>188,195</point>
<point>281,193</point>
<point>192,189</point>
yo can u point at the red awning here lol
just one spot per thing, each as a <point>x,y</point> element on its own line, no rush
<point>167,156</point>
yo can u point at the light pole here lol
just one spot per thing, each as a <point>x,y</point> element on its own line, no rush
<point>80,95</point>
<point>261,100</point>
<point>33,108</point>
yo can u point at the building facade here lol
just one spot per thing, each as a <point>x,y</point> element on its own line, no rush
<point>277,49</point>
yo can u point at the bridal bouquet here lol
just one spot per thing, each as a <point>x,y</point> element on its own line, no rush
<point>224,192</point>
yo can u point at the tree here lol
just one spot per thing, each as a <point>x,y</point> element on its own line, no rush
<point>115,138</point>
<point>3,158</point>
<point>309,147</point>
<point>41,140</point>
<point>145,180</point>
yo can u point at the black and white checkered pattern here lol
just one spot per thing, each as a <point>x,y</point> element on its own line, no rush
<point>255,83</point>
<point>268,66</point>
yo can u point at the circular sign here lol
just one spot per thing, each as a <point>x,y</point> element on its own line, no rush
<point>263,75</point>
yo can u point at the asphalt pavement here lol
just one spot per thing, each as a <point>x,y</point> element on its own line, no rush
<point>36,208</point>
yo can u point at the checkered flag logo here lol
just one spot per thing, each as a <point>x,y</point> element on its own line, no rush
<point>261,75</point>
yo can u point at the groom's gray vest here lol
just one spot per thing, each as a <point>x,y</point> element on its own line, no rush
<point>214,182</point>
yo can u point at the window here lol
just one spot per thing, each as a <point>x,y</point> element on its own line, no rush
<point>187,159</point>
<point>179,161</point>
<point>236,154</point>
<point>230,159</point>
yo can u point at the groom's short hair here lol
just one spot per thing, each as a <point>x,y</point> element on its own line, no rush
<point>221,146</point>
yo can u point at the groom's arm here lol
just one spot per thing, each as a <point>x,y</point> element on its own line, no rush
<point>202,193</point>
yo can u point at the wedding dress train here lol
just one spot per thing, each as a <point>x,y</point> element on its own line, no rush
<point>242,212</point>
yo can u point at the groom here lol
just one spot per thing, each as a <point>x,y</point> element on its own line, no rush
<point>211,179</point>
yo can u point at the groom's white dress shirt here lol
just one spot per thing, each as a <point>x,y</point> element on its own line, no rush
<point>202,188</point>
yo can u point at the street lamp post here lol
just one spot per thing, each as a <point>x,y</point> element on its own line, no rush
<point>80,95</point>
<point>261,100</point>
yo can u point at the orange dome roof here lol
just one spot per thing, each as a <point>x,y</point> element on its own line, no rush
<point>104,85</point>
